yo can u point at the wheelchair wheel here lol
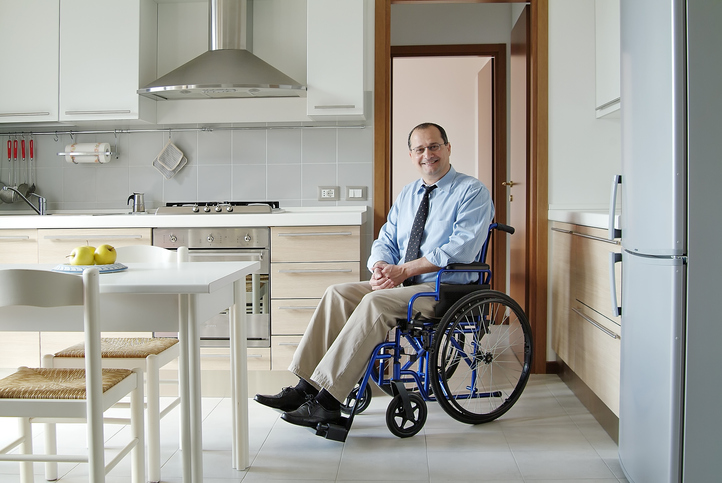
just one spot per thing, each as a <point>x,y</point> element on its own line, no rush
<point>481,357</point>
<point>362,403</point>
<point>406,425</point>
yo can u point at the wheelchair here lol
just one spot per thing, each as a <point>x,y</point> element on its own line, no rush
<point>473,357</point>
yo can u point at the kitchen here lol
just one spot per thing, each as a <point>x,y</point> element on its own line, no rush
<point>276,154</point>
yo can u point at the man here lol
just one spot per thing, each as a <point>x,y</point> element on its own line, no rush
<point>352,318</point>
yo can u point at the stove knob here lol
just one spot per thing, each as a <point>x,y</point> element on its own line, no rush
<point>207,209</point>
<point>229,209</point>
<point>195,209</point>
<point>218,209</point>
<point>210,238</point>
<point>173,238</point>
<point>247,238</point>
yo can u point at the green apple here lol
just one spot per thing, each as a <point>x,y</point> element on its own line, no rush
<point>84,255</point>
<point>105,255</point>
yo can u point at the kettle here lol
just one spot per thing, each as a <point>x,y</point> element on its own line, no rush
<point>138,202</point>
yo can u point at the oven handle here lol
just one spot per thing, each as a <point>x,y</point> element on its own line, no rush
<point>320,233</point>
<point>328,270</point>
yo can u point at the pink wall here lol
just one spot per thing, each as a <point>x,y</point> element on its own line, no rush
<point>454,92</point>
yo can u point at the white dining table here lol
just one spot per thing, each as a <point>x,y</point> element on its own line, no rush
<point>177,297</point>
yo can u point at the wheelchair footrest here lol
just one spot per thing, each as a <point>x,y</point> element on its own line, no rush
<point>334,431</point>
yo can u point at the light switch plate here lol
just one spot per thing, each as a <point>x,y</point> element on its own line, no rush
<point>356,193</point>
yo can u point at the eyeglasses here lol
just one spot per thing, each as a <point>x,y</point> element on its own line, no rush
<point>431,147</point>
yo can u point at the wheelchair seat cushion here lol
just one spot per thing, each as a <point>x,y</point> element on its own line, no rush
<point>450,293</point>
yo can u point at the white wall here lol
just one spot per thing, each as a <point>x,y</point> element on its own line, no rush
<point>584,152</point>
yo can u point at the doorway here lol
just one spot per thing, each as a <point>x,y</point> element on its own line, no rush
<point>467,96</point>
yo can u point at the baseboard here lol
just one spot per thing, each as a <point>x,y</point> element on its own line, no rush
<point>604,416</point>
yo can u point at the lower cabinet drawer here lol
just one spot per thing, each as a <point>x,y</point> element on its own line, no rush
<point>291,316</point>
<point>310,280</point>
<point>597,356</point>
<point>282,350</point>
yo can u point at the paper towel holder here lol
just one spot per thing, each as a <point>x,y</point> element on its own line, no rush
<point>108,152</point>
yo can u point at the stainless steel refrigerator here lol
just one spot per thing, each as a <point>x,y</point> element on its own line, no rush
<point>670,416</point>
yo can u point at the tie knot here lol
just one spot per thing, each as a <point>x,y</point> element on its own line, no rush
<point>429,189</point>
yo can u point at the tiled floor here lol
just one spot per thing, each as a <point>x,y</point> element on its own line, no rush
<point>548,436</point>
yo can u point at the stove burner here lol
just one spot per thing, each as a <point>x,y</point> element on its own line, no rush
<point>217,207</point>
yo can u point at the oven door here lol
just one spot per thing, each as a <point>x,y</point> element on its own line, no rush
<point>216,331</point>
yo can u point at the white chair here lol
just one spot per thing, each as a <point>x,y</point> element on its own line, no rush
<point>148,354</point>
<point>35,300</point>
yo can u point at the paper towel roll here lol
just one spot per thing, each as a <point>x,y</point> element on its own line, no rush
<point>87,153</point>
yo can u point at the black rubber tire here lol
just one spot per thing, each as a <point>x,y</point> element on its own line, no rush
<point>362,404</point>
<point>406,425</point>
<point>487,338</point>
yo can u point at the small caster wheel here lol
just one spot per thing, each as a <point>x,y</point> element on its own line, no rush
<point>402,424</point>
<point>362,403</point>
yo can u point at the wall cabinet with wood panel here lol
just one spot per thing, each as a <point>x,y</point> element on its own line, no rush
<point>585,329</point>
<point>607,57</point>
<point>304,262</point>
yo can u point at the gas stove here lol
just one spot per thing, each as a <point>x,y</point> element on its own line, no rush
<point>217,207</point>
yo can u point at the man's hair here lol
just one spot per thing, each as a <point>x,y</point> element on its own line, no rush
<point>426,125</point>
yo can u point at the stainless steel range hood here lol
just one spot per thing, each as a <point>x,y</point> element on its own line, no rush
<point>228,69</point>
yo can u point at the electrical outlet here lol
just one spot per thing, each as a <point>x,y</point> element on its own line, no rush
<point>328,193</point>
<point>355,193</point>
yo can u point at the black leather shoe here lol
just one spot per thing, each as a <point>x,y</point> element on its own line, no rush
<point>311,413</point>
<point>289,399</point>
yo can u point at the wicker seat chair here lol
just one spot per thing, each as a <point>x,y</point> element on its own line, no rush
<point>34,300</point>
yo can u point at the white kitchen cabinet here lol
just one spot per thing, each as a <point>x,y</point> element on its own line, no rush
<point>107,52</point>
<point>335,59</point>
<point>607,56</point>
<point>29,32</point>
<point>76,60</point>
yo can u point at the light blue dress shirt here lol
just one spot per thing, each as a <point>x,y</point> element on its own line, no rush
<point>460,211</point>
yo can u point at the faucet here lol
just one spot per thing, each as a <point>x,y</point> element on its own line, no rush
<point>41,209</point>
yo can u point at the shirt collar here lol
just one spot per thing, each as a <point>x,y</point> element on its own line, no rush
<point>443,184</point>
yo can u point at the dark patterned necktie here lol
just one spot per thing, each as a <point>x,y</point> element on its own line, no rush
<point>417,230</point>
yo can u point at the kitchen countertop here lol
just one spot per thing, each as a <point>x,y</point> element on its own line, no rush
<point>301,216</point>
<point>588,217</point>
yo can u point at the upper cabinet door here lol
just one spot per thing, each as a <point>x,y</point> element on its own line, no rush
<point>607,56</point>
<point>335,59</point>
<point>29,63</point>
<point>107,51</point>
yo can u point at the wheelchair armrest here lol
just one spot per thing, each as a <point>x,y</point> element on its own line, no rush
<point>468,266</point>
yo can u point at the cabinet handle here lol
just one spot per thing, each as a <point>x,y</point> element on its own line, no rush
<point>613,232</point>
<point>322,233</point>
<point>18,237</point>
<point>614,258</point>
<point>616,100</point>
<point>568,232</point>
<point>292,344</point>
<point>17,114</point>
<point>297,307</point>
<point>104,111</point>
<point>336,106</point>
<point>599,326</point>
<point>328,270</point>
<point>91,237</point>
<point>597,238</point>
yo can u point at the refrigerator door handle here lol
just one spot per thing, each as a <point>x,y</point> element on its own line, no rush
<point>614,258</point>
<point>614,232</point>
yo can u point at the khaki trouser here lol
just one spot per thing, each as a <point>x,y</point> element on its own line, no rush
<point>348,323</point>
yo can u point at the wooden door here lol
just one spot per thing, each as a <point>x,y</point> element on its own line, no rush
<point>517,188</point>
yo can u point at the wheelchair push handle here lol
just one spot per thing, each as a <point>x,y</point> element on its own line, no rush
<point>501,226</point>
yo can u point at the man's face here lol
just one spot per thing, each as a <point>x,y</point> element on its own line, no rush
<point>432,165</point>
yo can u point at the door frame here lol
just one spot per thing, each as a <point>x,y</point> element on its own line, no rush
<point>537,182</point>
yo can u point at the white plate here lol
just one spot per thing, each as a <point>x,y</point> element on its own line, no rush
<point>113,267</point>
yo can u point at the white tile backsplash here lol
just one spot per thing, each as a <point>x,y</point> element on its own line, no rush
<point>284,164</point>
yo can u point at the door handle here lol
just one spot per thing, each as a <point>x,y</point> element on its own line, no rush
<point>510,184</point>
